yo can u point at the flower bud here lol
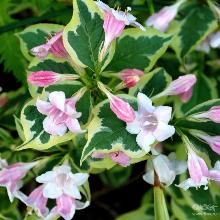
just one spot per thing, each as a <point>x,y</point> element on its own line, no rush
<point>46,78</point>
<point>122,109</point>
<point>212,114</point>
<point>131,77</point>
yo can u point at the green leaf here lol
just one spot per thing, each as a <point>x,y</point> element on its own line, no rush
<point>204,90</point>
<point>32,120</point>
<point>107,133</point>
<point>152,83</point>
<point>84,35</point>
<point>199,22</point>
<point>36,35</point>
<point>138,49</point>
<point>49,64</point>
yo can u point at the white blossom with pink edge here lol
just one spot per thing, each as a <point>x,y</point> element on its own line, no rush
<point>11,177</point>
<point>54,45</point>
<point>46,78</point>
<point>114,23</point>
<point>212,114</point>
<point>214,173</point>
<point>61,184</point>
<point>150,123</point>
<point>198,171</point>
<point>122,109</point>
<point>182,86</point>
<point>162,19</point>
<point>118,157</point>
<point>61,113</point>
<point>165,167</point>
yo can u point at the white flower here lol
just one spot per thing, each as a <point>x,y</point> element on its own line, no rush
<point>151,123</point>
<point>61,181</point>
<point>165,167</point>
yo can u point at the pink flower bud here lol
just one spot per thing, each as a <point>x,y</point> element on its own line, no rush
<point>212,114</point>
<point>212,141</point>
<point>122,109</point>
<point>46,78</point>
<point>131,77</point>
<point>182,86</point>
<point>43,78</point>
<point>162,19</point>
<point>3,100</point>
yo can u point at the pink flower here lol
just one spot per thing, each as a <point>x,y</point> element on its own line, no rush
<point>114,23</point>
<point>61,184</point>
<point>61,114</point>
<point>66,207</point>
<point>212,114</point>
<point>46,78</point>
<point>11,176</point>
<point>118,157</point>
<point>162,19</point>
<point>54,46</point>
<point>183,87</point>
<point>151,123</point>
<point>212,141</point>
<point>198,171</point>
<point>122,109</point>
<point>131,77</point>
<point>215,40</point>
<point>38,202</point>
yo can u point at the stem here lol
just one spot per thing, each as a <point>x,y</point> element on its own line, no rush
<point>150,6</point>
<point>160,207</point>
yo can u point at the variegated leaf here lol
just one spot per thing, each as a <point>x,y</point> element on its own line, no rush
<point>36,35</point>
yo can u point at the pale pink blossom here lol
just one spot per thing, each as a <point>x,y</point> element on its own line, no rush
<point>131,77</point>
<point>3,100</point>
<point>215,40</point>
<point>118,157</point>
<point>162,19</point>
<point>165,167</point>
<point>54,45</point>
<point>38,202</point>
<point>11,176</point>
<point>212,114</point>
<point>114,23</point>
<point>61,114</point>
<point>122,109</point>
<point>46,78</point>
<point>204,46</point>
<point>198,171</point>
<point>183,87</point>
<point>212,141</point>
<point>151,123</point>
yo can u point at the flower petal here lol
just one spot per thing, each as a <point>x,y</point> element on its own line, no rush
<point>43,107</point>
<point>52,191</point>
<point>163,113</point>
<point>149,175</point>
<point>79,178</point>
<point>73,125</point>
<point>144,103</point>
<point>52,128</point>
<point>134,127</point>
<point>58,99</point>
<point>72,190</point>
<point>163,131</point>
<point>46,177</point>
<point>144,140</point>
